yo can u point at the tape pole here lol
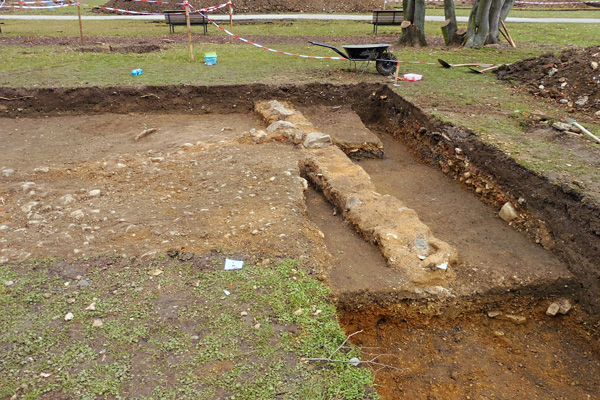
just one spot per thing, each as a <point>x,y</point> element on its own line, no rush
<point>80,24</point>
<point>187,20</point>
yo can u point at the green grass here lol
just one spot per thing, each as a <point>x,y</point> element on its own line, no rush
<point>176,335</point>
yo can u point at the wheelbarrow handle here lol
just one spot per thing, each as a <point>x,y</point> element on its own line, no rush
<point>330,47</point>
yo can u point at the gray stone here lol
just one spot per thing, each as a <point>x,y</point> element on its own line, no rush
<point>42,169</point>
<point>8,172</point>
<point>279,110</point>
<point>352,202</point>
<point>582,100</point>
<point>563,101</point>
<point>284,125</point>
<point>77,214</point>
<point>594,65</point>
<point>316,140</point>
<point>564,306</point>
<point>552,71</point>
<point>508,212</point>
<point>553,309</point>
<point>94,193</point>
<point>493,314</point>
<point>83,283</point>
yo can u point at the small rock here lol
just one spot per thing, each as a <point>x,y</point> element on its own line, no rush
<point>352,202</point>
<point>243,313</point>
<point>515,319</point>
<point>8,172</point>
<point>283,125</point>
<point>155,272</point>
<point>454,375</point>
<point>94,193</point>
<point>581,101</point>
<point>77,214</point>
<point>298,312</point>
<point>315,140</point>
<point>563,101</point>
<point>67,199</point>
<point>45,375</point>
<point>597,113</point>
<point>97,323</point>
<point>83,283</point>
<point>71,300</point>
<point>508,212</point>
<point>25,186</point>
<point>42,169</point>
<point>257,326</point>
<point>493,314</point>
<point>498,333</point>
<point>303,182</point>
<point>9,283</point>
<point>565,306</point>
<point>279,110</point>
<point>3,227</point>
<point>69,317</point>
<point>255,232</point>
<point>91,307</point>
<point>157,159</point>
<point>552,71</point>
<point>553,309</point>
<point>354,361</point>
<point>594,65</point>
<point>195,337</point>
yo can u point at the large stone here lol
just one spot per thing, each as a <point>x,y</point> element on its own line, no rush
<point>315,140</point>
<point>281,125</point>
<point>508,212</point>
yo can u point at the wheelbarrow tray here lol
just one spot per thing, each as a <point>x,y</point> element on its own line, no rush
<point>385,61</point>
<point>363,52</point>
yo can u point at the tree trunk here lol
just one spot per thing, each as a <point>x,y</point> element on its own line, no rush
<point>484,21</point>
<point>410,34</point>
<point>413,26</point>
<point>494,35</point>
<point>449,27</point>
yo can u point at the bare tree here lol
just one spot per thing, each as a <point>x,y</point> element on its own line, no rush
<point>413,26</point>
<point>485,20</point>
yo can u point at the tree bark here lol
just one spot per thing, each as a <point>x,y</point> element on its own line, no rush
<point>449,27</point>
<point>484,21</point>
<point>413,26</point>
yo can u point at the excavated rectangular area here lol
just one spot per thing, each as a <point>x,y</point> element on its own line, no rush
<point>398,212</point>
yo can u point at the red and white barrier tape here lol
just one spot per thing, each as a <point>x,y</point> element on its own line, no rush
<point>159,2</point>
<point>193,10</point>
<point>299,55</point>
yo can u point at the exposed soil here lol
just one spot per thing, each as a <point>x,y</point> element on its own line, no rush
<point>571,78</point>
<point>260,6</point>
<point>81,185</point>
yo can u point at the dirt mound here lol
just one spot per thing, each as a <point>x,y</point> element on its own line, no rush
<point>259,6</point>
<point>571,78</point>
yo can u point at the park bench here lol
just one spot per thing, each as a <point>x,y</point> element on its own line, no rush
<point>1,23</point>
<point>177,17</point>
<point>386,17</point>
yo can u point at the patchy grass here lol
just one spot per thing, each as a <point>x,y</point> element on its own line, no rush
<point>173,335</point>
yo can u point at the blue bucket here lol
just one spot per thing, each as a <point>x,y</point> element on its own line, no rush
<point>210,58</point>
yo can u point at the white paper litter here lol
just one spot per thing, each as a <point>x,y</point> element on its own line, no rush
<point>227,292</point>
<point>233,264</point>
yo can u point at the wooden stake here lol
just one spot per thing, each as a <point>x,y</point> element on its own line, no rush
<point>397,73</point>
<point>80,25</point>
<point>507,35</point>
<point>231,16</point>
<point>187,20</point>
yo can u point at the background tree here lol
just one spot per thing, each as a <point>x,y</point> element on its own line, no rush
<point>413,26</point>
<point>485,21</point>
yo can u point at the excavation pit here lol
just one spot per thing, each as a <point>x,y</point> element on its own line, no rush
<point>139,171</point>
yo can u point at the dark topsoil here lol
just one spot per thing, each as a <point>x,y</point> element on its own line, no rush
<point>571,78</point>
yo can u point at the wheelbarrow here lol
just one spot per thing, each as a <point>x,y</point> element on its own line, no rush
<point>385,61</point>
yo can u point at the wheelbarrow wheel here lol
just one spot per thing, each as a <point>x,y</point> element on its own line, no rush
<point>386,68</point>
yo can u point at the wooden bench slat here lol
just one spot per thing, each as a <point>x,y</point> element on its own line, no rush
<point>386,17</point>
<point>177,17</point>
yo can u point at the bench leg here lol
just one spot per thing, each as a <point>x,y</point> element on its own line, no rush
<point>205,28</point>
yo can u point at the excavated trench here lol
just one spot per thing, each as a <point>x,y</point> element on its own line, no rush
<point>477,329</point>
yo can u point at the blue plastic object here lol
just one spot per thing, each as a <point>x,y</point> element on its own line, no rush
<point>136,72</point>
<point>210,58</point>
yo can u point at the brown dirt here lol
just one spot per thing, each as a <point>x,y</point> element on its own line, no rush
<point>261,6</point>
<point>571,78</point>
<point>161,193</point>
